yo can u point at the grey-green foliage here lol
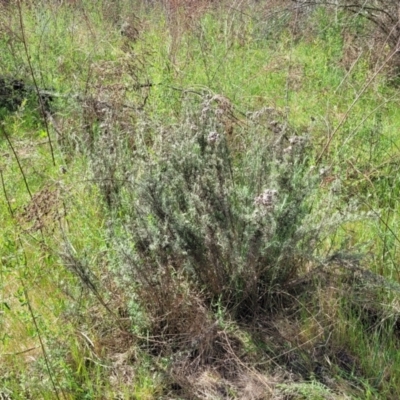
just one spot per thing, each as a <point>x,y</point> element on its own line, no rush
<point>224,209</point>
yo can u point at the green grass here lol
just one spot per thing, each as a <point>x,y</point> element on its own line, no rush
<point>73,323</point>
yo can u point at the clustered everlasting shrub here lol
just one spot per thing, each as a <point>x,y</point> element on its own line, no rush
<point>222,210</point>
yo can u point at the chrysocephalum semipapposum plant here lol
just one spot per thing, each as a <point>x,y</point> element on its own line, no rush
<point>220,208</point>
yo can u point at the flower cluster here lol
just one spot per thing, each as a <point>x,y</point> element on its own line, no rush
<point>267,199</point>
<point>212,137</point>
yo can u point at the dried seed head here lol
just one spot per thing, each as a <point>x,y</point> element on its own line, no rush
<point>297,140</point>
<point>288,150</point>
<point>212,137</point>
<point>267,199</point>
<point>324,170</point>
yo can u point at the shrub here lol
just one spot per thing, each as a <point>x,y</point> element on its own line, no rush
<point>221,209</point>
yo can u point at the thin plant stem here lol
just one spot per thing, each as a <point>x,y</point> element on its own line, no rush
<point>34,320</point>
<point>352,105</point>
<point>17,160</point>
<point>5,194</point>
<point>42,108</point>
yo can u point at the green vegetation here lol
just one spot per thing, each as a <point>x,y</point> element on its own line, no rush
<point>198,201</point>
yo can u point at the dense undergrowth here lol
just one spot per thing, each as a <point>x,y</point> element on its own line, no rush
<point>199,200</point>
